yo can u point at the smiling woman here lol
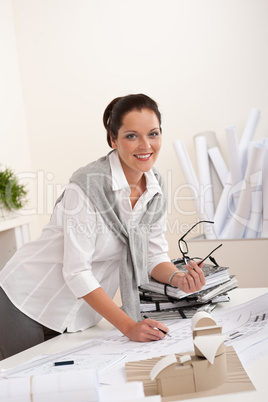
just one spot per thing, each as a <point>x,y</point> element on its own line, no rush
<point>107,227</point>
<point>133,127</point>
<point>138,143</point>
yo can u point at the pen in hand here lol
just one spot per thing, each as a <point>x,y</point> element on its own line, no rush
<point>159,329</point>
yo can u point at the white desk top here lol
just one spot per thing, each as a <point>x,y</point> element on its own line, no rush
<point>256,371</point>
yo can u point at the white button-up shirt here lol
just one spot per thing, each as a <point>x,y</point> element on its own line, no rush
<point>77,253</point>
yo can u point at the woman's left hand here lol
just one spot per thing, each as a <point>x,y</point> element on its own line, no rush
<point>192,281</point>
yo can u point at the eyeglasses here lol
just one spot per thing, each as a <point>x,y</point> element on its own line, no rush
<point>184,248</point>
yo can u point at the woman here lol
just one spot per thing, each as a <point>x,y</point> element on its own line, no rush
<point>108,227</point>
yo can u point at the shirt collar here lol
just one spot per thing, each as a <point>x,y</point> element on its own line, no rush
<point>119,179</point>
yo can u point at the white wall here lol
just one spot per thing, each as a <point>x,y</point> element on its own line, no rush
<point>204,61</point>
<point>14,143</point>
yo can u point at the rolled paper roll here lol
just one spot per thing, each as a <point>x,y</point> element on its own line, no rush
<point>205,185</point>
<point>247,136</point>
<point>241,216</point>
<point>191,178</point>
<point>264,232</point>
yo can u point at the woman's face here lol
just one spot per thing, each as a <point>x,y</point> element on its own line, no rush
<point>138,142</point>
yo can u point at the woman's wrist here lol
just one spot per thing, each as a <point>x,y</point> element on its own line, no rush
<point>174,278</point>
<point>126,325</point>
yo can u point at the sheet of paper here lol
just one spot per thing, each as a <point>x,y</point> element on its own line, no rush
<point>254,352</point>
<point>122,392</point>
<point>246,324</point>
<point>85,356</point>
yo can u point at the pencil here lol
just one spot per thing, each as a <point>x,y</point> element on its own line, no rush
<point>159,329</point>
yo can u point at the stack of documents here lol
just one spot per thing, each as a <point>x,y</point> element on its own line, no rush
<point>163,301</point>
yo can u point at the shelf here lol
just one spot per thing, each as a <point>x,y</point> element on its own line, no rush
<point>11,223</point>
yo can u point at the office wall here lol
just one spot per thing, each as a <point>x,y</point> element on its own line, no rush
<point>14,142</point>
<point>204,61</point>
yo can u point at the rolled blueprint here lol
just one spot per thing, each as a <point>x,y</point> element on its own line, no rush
<point>217,186</point>
<point>206,194</point>
<point>247,136</point>
<point>234,157</point>
<point>222,213</point>
<point>191,178</point>
<point>253,228</point>
<point>219,164</point>
<point>226,207</point>
<point>264,232</point>
<point>241,217</point>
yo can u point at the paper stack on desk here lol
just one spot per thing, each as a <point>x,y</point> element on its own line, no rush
<point>161,301</point>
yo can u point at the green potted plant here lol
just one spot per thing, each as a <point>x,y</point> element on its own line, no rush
<point>12,194</point>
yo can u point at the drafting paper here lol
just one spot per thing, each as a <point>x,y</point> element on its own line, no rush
<point>84,356</point>
<point>122,392</point>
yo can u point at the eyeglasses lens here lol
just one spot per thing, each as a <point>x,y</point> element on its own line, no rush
<point>183,246</point>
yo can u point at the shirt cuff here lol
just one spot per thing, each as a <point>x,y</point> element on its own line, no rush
<point>157,260</point>
<point>82,283</point>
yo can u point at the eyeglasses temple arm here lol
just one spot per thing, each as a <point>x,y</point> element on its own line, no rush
<point>185,234</point>
<point>200,262</point>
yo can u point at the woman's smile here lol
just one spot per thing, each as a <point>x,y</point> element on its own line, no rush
<point>143,157</point>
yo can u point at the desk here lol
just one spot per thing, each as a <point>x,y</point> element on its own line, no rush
<point>256,371</point>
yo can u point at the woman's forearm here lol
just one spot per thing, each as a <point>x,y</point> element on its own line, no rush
<point>143,331</point>
<point>105,306</point>
<point>163,271</point>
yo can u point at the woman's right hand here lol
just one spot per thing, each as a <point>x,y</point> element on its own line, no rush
<point>146,331</point>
